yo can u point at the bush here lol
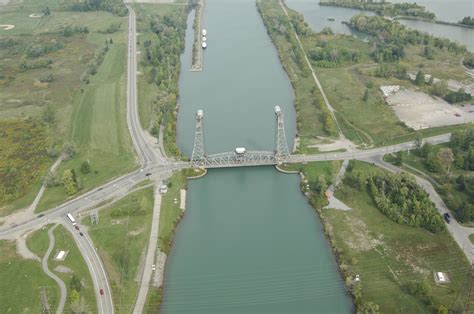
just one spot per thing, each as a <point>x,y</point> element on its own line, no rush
<point>85,167</point>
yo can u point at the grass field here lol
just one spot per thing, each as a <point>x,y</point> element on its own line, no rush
<point>390,257</point>
<point>363,122</point>
<point>22,282</point>
<point>121,238</point>
<point>98,125</point>
<point>170,212</point>
<point>92,116</point>
<point>38,243</point>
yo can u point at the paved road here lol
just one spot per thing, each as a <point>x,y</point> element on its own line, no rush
<point>150,255</point>
<point>95,266</point>
<point>364,154</point>
<point>49,273</point>
<point>460,233</point>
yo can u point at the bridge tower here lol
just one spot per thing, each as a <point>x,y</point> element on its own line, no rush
<point>282,151</point>
<point>197,157</point>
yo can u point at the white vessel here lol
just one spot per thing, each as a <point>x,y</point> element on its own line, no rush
<point>204,45</point>
<point>204,32</point>
<point>204,38</point>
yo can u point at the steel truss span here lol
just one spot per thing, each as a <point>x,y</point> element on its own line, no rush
<point>199,159</point>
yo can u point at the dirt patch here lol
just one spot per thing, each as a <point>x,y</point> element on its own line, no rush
<point>358,237</point>
<point>420,111</point>
<point>63,269</point>
<point>7,27</point>
<point>136,232</point>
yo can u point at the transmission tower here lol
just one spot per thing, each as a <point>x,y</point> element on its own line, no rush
<point>197,157</point>
<point>282,151</point>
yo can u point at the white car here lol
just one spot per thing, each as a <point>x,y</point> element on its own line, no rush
<point>153,267</point>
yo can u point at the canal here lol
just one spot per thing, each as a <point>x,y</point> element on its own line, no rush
<point>249,241</point>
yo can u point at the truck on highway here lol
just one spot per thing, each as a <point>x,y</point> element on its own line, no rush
<point>71,219</point>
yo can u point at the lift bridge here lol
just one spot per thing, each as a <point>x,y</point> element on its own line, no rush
<point>240,157</point>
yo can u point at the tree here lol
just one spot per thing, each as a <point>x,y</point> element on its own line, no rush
<point>420,78</point>
<point>85,167</point>
<point>418,141</point>
<point>439,88</point>
<point>75,283</point>
<point>426,149</point>
<point>75,300</point>
<point>69,181</point>
<point>399,158</point>
<point>48,115</point>
<point>366,95</point>
<point>68,150</point>
<point>368,308</point>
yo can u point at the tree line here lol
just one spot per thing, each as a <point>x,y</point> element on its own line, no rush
<point>385,8</point>
<point>399,197</point>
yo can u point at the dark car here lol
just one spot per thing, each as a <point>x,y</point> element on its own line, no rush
<point>40,215</point>
<point>101,291</point>
<point>447,217</point>
<point>77,227</point>
<point>82,234</point>
<point>148,174</point>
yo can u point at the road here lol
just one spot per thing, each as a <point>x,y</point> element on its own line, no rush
<point>49,273</point>
<point>460,233</point>
<point>95,266</point>
<point>150,255</point>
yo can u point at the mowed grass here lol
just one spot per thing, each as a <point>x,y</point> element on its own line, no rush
<point>98,126</point>
<point>38,243</point>
<point>389,256</point>
<point>21,283</point>
<point>170,212</point>
<point>121,238</point>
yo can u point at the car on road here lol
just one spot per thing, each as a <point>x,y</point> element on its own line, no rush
<point>40,215</point>
<point>148,174</point>
<point>447,217</point>
<point>153,267</point>
<point>101,291</point>
<point>81,234</point>
<point>77,227</point>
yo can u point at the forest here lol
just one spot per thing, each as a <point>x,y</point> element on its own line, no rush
<point>385,8</point>
<point>399,197</point>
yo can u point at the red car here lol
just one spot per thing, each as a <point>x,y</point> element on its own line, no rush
<point>101,291</point>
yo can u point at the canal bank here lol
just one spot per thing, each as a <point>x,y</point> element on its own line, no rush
<point>249,241</point>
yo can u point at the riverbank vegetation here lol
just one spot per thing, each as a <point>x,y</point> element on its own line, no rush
<point>450,167</point>
<point>351,71</point>
<point>23,279</point>
<point>467,21</point>
<point>73,270</point>
<point>162,28</point>
<point>121,238</point>
<point>313,117</point>
<point>395,262</point>
<point>56,73</point>
<point>384,8</point>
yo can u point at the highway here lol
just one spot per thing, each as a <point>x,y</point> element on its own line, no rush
<point>95,266</point>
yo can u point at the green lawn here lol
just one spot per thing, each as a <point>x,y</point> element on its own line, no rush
<point>121,238</point>
<point>22,282</point>
<point>389,256</point>
<point>38,243</point>
<point>170,212</point>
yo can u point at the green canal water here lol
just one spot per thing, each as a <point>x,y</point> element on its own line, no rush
<point>249,242</point>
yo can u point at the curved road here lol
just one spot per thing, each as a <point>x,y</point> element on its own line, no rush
<point>96,268</point>
<point>61,284</point>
